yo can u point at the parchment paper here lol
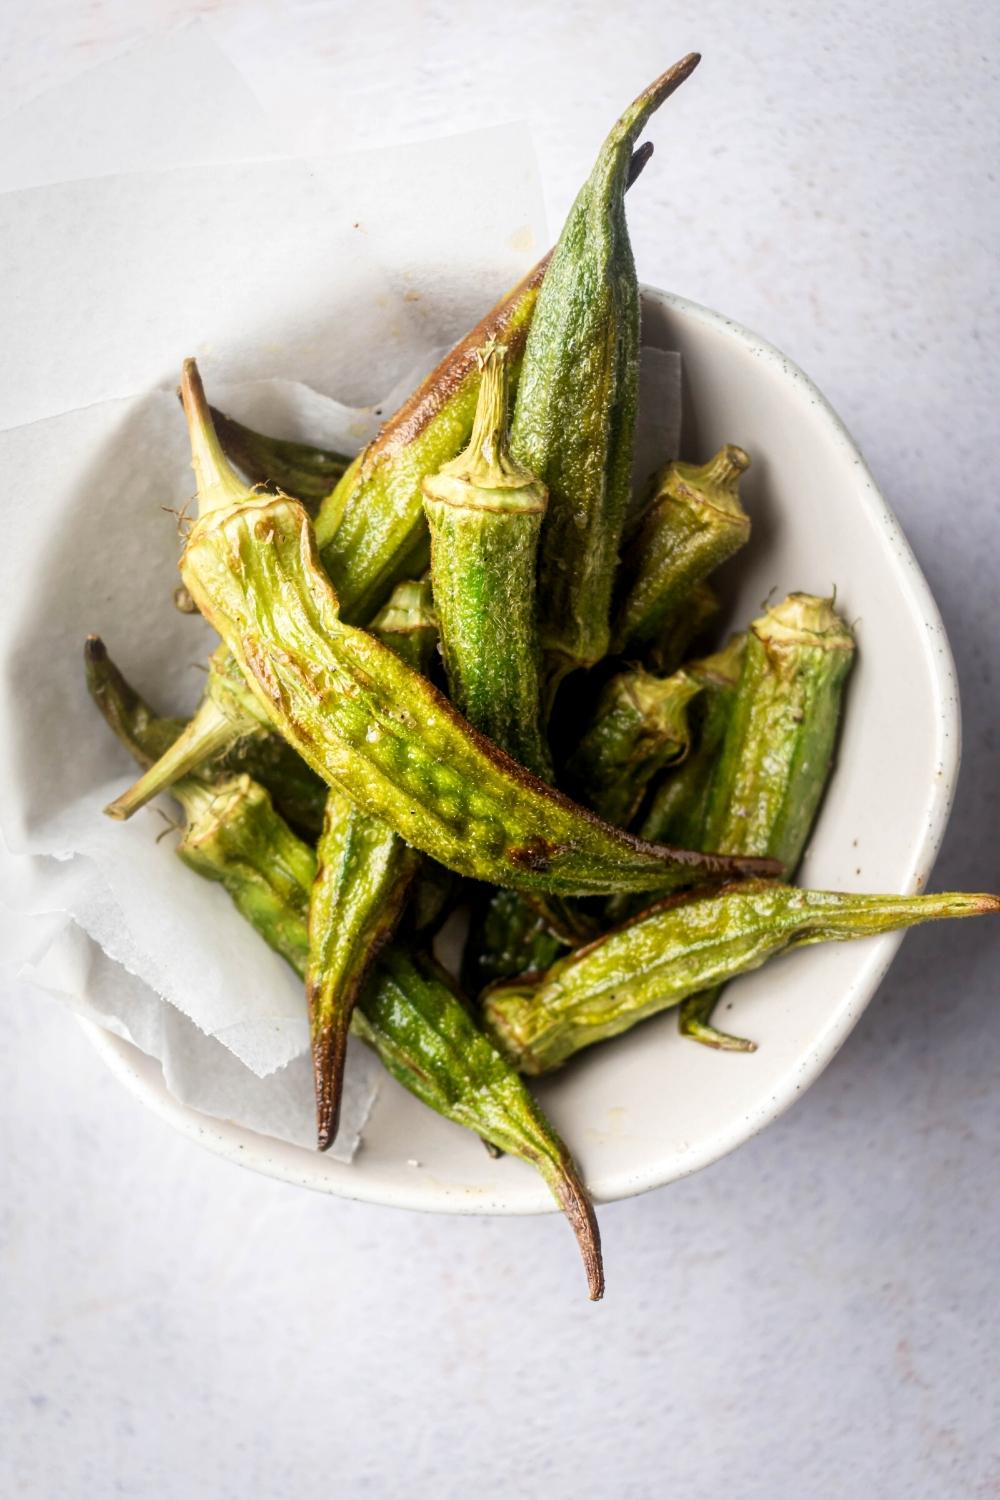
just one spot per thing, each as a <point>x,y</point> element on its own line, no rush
<point>347,273</point>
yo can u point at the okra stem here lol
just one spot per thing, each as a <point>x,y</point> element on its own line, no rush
<point>217,483</point>
<point>209,734</point>
<point>371,529</point>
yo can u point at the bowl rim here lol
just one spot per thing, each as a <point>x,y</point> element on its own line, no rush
<point>142,1075</point>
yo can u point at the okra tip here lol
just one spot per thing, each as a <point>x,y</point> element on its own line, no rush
<point>329,1051</point>
<point>674,75</point>
<point>104,682</point>
<point>94,649</point>
<point>217,481</point>
<point>652,97</point>
<point>719,867</point>
<point>96,663</point>
<point>574,1200</point>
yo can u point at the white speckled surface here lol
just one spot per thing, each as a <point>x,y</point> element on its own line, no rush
<point>816,1314</point>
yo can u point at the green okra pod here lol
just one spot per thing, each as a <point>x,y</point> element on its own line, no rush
<point>778,749</point>
<point>363,875</point>
<point>485,514</point>
<point>426,1037</point>
<point>367,723</point>
<point>693,524</point>
<point>777,753</point>
<point>297,469</point>
<point>371,529</point>
<point>232,834</point>
<point>363,878</point>
<point>226,715</point>
<point>229,734</point>
<point>144,734</point>
<point>677,949</point>
<point>407,1013</point>
<point>685,626</point>
<point>640,726</point>
<point>678,808</point>
<point>407,623</point>
<point>574,420</point>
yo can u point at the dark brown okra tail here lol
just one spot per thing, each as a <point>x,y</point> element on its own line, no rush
<point>640,156</point>
<point>329,1054</point>
<point>574,1200</point>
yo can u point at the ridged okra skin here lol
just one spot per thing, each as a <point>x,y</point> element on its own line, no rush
<point>407,623</point>
<point>465,1077</point>
<point>693,523</point>
<point>371,529</point>
<point>640,726</point>
<point>305,472</point>
<point>363,876</point>
<point>776,755</point>
<point>683,628</point>
<point>234,836</point>
<point>574,420</point>
<point>485,515</point>
<point>227,736</point>
<point>679,948</point>
<point>407,1012</point>
<point>410,1016</point>
<point>366,723</point>
<point>778,749</point>
<point>680,803</point>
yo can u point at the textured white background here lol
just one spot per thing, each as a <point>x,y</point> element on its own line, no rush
<point>814,1316</point>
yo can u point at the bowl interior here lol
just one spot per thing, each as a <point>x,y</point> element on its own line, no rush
<point>650,1107</point>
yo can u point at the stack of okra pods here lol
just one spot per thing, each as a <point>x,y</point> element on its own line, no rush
<point>515,728</point>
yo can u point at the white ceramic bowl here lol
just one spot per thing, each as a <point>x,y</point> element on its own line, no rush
<point>650,1107</point>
